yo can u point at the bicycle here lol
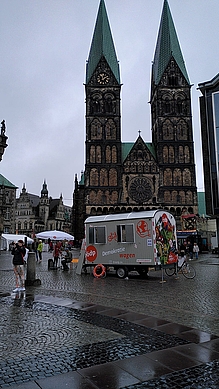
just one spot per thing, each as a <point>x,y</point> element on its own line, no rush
<point>187,270</point>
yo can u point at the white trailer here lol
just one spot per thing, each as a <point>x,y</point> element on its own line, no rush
<point>130,241</point>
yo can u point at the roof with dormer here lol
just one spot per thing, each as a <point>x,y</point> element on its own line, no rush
<point>6,183</point>
<point>167,46</point>
<point>102,45</point>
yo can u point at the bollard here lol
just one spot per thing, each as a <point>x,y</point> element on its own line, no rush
<point>31,270</point>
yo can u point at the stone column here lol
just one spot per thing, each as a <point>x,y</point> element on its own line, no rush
<point>31,271</point>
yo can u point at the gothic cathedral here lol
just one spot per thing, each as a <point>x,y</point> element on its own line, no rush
<point>124,177</point>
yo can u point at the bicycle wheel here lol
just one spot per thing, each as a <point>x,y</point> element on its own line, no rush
<point>170,271</point>
<point>188,271</point>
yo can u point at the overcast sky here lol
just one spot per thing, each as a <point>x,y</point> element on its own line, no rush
<point>44,45</point>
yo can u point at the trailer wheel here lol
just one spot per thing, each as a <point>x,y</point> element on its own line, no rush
<point>122,272</point>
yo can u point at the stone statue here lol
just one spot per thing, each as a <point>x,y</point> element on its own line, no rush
<point>3,127</point>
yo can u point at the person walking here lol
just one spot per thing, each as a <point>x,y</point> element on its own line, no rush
<point>34,248</point>
<point>18,253</point>
<point>189,250</point>
<point>40,250</point>
<point>56,253</point>
<point>196,250</point>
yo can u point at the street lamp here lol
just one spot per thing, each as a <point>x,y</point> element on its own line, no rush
<point>3,145</point>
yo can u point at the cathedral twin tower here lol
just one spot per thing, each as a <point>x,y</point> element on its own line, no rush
<point>124,177</point>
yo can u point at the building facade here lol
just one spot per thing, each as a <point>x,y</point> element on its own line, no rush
<point>124,177</point>
<point>7,205</point>
<point>34,213</point>
<point>209,113</point>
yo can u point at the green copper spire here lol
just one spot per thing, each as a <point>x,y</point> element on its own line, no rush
<point>102,45</point>
<point>167,47</point>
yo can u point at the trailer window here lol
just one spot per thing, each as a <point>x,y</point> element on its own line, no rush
<point>97,235</point>
<point>125,233</point>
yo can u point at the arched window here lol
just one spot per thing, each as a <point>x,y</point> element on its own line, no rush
<point>114,154</point>
<point>96,130</point>
<point>108,103</point>
<point>168,132</point>
<point>98,154</point>
<point>168,177</point>
<point>177,177</point>
<point>187,154</point>
<point>189,197</point>
<point>171,154</point>
<point>187,177</point>
<point>112,177</point>
<point>110,129</point>
<point>165,154</point>
<point>182,131</point>
<point>174,196</point>
<point>179,106</point>
<point>92,197</point>
<point>103,177</point>
<point>94,177</point>
<point>182,196</point>
<point>181,154</point>
<point>167,105</point>
<point>167,197</point>
<point>108,154</point>
<point>92,154</point>
<point>95,103</point>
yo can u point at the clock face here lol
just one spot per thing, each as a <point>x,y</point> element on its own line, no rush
<point>103,78</point>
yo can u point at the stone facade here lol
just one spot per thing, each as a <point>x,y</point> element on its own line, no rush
<point>34,214</point>
<point>124,177</point>
<point>7,205</point>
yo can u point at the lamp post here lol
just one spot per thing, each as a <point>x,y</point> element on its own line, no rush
<point>3,145</point>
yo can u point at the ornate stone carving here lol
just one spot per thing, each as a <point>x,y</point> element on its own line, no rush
<point>140,190</point>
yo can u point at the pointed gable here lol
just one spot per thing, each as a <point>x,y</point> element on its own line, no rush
<point>135,150</point>
<point>102,45</point>
<point>167,46</point>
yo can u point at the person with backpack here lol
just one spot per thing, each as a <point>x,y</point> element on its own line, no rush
<point>18,252</point>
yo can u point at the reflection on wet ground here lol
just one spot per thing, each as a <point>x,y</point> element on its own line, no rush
<point>80,332</point>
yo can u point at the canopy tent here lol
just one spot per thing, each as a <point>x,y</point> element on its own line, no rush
<point>54,235</point>
<point>9,238</point>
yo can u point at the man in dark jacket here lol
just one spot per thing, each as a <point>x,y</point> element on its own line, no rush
<point>18,252</point>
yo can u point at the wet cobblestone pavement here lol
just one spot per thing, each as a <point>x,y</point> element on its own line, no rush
<point>80,332</point>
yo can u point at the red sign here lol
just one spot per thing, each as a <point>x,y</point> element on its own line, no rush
<point>91,253</point>
<point>142,229</point>
<point>172,257</point>
<point>112,236</point>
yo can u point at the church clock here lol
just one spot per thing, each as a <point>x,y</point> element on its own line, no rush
<point>103,79</point>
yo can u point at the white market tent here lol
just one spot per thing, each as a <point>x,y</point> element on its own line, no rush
<point>54,235</point>
<point>6,239</point>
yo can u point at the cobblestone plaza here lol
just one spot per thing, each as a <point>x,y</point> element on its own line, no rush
<point>80,332</point>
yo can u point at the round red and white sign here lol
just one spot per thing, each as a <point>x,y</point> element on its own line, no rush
<point>91,253</point>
